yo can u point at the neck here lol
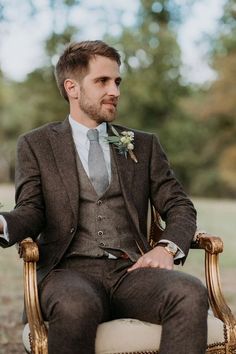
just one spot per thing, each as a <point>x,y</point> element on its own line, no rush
<point>82,119</point>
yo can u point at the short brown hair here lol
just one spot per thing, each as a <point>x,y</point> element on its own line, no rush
<point>75,60</point>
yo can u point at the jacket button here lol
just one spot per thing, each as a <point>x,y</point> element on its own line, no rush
<point>72,230</point>
<point>100,233</point>
<point>102,244</point>
<point>99,202</point>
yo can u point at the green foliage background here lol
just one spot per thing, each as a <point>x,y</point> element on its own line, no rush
<point>196,125</point>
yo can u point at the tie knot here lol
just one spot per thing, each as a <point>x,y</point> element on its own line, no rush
<point>92,134</point>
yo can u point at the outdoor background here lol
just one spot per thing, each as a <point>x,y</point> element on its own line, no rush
<point>179,81</point>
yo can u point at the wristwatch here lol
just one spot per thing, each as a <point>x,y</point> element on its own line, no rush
<point>170,247</point>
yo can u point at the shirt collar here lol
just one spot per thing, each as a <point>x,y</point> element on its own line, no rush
<point>80,130</point>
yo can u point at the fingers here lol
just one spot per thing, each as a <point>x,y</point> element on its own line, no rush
<point>138,264</point>
<point>148,262</point>
<point>156,258</point>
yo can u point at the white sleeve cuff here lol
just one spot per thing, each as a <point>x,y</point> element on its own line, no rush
<point>180,254</point>
<point>5,234</point>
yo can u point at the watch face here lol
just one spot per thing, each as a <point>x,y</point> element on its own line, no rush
<point>172,248</point>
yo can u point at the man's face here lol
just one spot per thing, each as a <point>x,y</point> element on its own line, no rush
<point>99,90</point>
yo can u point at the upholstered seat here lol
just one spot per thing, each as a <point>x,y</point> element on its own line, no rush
<point>127,335</point>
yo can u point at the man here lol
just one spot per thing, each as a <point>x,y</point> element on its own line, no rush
<point>85,200</point>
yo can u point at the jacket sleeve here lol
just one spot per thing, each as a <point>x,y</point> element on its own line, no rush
<point>27,219</point>
<point>170,200</point>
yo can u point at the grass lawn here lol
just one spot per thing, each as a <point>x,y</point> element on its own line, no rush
<point>215,216</point>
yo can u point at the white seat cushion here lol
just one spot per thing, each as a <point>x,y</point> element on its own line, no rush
<point>129,335</point>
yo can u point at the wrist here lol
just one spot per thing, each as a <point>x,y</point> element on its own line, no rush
<point>169,247</point>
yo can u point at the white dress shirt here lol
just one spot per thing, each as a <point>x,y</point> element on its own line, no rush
<point>5,229</point>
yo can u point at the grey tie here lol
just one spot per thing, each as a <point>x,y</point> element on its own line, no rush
<point>96,163</point>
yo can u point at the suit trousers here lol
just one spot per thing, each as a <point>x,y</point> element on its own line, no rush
<point>83,292</point>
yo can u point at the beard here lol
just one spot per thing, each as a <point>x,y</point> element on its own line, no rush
<point>96,111</point>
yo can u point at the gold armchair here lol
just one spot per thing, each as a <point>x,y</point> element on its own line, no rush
<point>139,337</point>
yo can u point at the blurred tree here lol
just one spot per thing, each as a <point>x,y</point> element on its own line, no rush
<point>216,108</point>
<point>6,145</point>
<point>151,68</point>
<point>220,102</point>
<point>35,101</point>
<point>152,87</point>
<point>33,7</point>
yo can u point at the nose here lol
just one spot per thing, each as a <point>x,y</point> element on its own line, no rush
<point>114,90</point>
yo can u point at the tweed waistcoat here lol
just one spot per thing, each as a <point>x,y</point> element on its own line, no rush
<point>103,220</point>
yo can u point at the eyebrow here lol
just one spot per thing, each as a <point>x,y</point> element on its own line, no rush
<point>118,78</point>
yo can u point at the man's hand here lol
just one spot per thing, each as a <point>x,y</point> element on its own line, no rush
<point>158,257</point>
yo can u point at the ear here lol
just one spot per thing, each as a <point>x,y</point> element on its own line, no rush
<point>72,88</point>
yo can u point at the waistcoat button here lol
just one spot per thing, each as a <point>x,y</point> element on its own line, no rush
<point>72,230</point>
<point>99,218</point>
<point>102,244</point>
<point>99,202</point>
<point>100,233</point>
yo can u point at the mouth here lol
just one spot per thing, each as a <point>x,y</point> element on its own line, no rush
<point>110,103</point>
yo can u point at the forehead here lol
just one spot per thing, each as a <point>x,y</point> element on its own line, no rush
<point>103,66</point>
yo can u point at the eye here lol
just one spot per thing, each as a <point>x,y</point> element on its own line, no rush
<point>103,80</point>
<point>118,82</point>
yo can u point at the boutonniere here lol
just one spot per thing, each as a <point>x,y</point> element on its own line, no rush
<point>124,142</point>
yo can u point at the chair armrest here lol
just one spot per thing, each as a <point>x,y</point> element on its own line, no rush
<point>28,251</point>
<point>213,246</point>
<point>209,243</point>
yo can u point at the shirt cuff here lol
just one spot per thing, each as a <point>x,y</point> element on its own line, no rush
<point>180,254</point>
<point>5,234</point>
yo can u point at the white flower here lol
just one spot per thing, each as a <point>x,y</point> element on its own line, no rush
<point>131,134</point>
<point>123,139</point>
<point>130,146</point>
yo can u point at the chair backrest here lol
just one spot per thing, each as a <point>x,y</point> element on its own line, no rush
<point>156,227</point>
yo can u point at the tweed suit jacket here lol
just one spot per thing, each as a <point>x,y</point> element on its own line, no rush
<point>47,192</point>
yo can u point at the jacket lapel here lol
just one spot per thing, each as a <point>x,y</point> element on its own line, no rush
<point>65,155</point>
<point>125,168</point>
